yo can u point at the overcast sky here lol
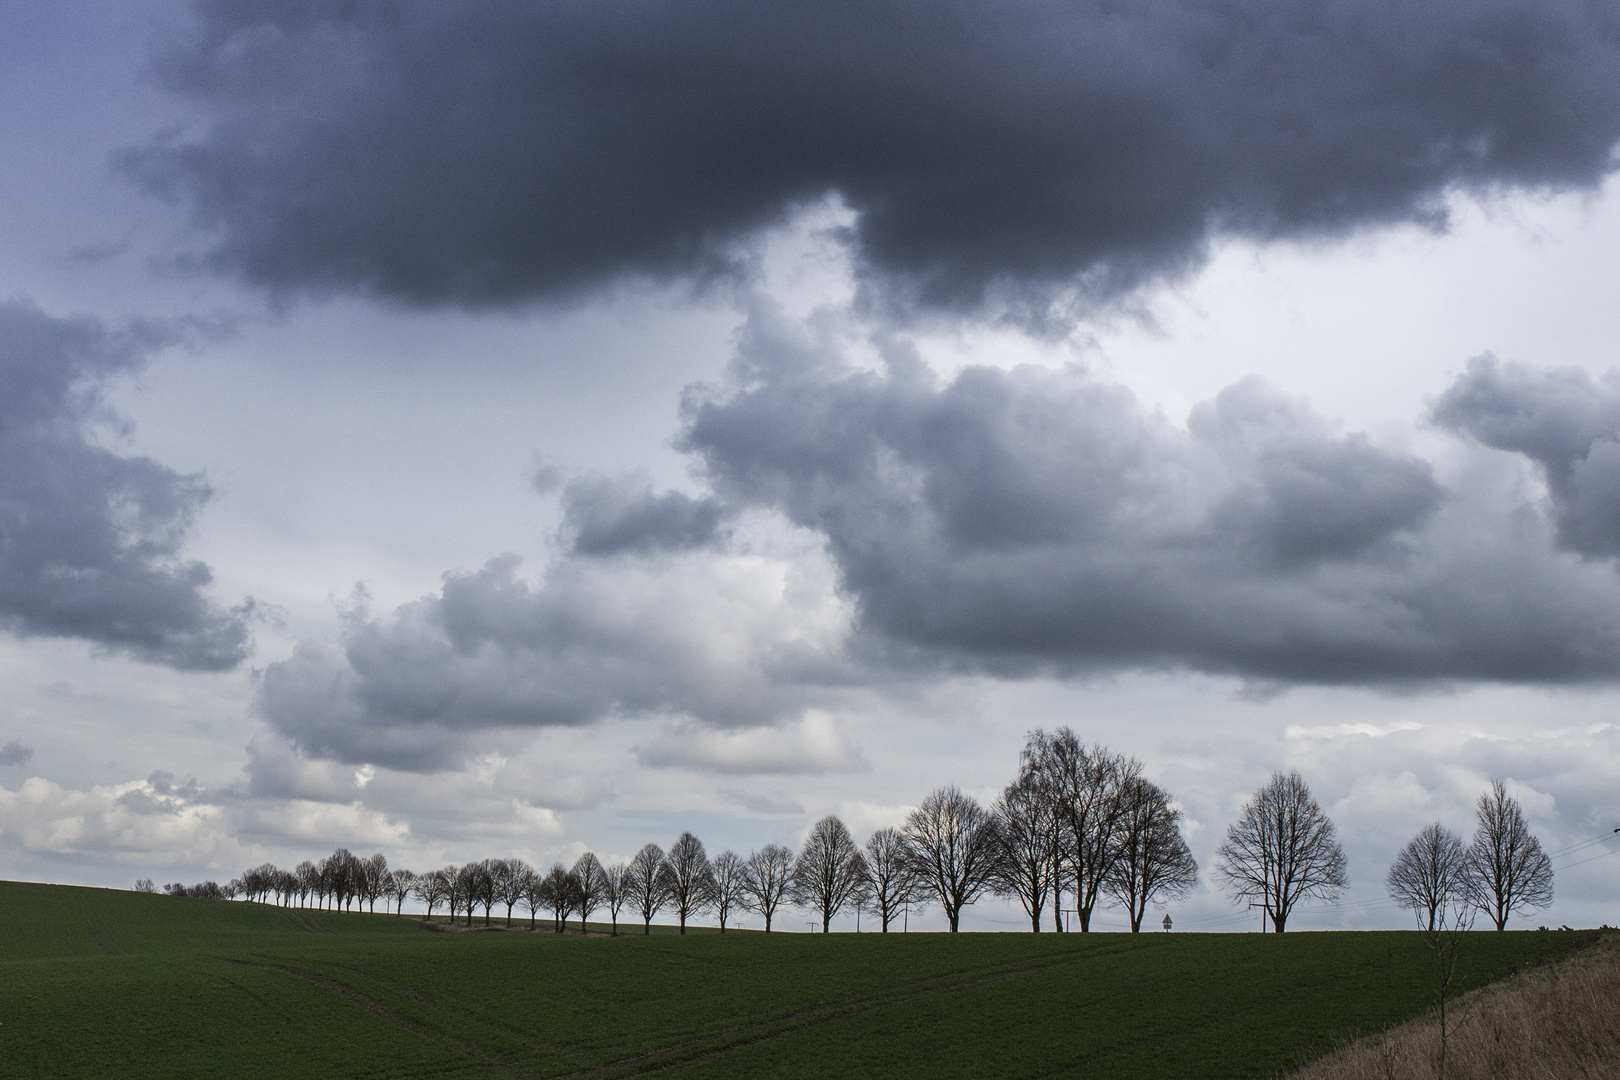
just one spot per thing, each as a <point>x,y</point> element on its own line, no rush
<point>518,428</point>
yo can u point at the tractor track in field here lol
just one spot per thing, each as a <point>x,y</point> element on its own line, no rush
<point>93,928</point>
<point>719,1042</point>
<point>451,1013</point>
<point>384,1013</point>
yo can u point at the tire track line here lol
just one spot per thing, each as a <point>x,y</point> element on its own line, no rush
<point>384,1013</point>
<point>694,1050</point>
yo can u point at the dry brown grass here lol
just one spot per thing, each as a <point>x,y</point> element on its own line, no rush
<point>1557,1022</point>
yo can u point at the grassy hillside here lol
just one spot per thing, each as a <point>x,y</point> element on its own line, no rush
<point>96,983</point>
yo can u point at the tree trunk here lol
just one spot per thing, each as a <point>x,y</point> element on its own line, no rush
<point>646,929</point>
<point>1278,921</point>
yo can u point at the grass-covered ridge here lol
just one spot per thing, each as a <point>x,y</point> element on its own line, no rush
<point>96,983</point>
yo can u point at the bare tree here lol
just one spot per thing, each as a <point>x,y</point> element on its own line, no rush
<point>687,877</point>
<point>375,881</point>
<point>951,845</point>
<point>1085,786</point>
<point>400,884</point>
<point>1152,861</point>
<point>615,891</point>
<point>534,893</point>
<point>648,888</point>
<point>1507,870</point>
<point>510,876</point>
<point>588,874</point>
<point>435,888</point>
<point>1282,850</point>
<point>1430,871</point>
<point>830,871</point>
<point>560,893</point>
<point>728,871</point>
<point>308,877</point>
<point>767,879</point>
<point>893,885</point>
<point>1027,843</point>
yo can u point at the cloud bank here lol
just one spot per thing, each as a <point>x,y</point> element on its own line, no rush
<point>1031,522</point>
<point>494,152</point>
<point>91,540</point>
<point>1034,521</point>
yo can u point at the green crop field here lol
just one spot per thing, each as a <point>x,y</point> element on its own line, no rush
<point>100,983</point>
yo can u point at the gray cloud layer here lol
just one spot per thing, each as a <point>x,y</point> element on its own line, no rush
<point>446,675</point>
<point>1036,521</point>
<point>1014,523</point>
<point>1561,420</point>
<point>491,151</point>
<point>90,540</point>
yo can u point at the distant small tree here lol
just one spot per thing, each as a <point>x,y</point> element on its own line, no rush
<point>830,870</point>
<point>1282,850</point>
<point>767,878</point>
<point>615,891</point>
<point>375,880</point>
<point>509,878</point>
<point>728,872</point>
<point>1507,870</point>
<point>1430,871</point>
<point>469,887</point>
<point>951,845</point>
<point>535,893</point>
<point>649,890</point>
<point>145,885</point>
<point>892,884</point>
<point>589,877</point>
<point>561,893</point>
<point>435,888</point>
<point>400,884</point>
<point>688,879</point>
<point>308,877</point>
<point>1152,861</point>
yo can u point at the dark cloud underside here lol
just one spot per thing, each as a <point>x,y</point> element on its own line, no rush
<point>90,541</point>
<point>1028,520</point>
<point>492,151</point>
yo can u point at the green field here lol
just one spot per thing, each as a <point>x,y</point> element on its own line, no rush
<point>101,983</point>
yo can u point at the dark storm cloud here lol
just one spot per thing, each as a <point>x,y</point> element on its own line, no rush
<point>15,753</point>
<point>615,515</point>
<point>90,541</point>
<point>1029,521</point>
<point>492,151</point>
<point>1561,420</point>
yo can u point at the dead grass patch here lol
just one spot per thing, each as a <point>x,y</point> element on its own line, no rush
<point>1560,1021</point>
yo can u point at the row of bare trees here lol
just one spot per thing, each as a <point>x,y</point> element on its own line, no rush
<point>1077,821</point>
<point>341,880</point>
<point>1503,870</point>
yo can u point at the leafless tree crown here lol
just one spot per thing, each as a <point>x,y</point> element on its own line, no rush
<point>688,880</point>
<point>767,878</point>
<point>727,873</point>
<point>1282,850</point>
<point>951,845</point>
<point>648,886</point>
<point>1430,872</point>
<point>830,872</point>
<point>1029,842</point>
<point>1507,870</point>
<point>1151,860</point>
<point>893,885</point>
